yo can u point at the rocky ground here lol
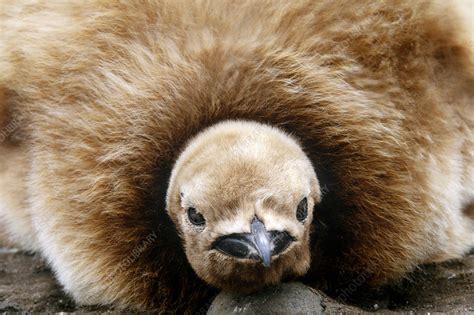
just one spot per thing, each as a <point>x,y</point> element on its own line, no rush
<point>26,284</point>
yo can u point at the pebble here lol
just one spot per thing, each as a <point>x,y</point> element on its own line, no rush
<point>287,298</point>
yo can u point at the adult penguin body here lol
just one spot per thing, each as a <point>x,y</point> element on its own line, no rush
<point>362,111</point>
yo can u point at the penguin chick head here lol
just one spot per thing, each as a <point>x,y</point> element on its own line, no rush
<point>241,195</point>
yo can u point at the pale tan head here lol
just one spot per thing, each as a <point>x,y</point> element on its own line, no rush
<point>241,195</point>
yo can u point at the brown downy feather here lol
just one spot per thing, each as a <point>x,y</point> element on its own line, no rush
<point>379,94</point>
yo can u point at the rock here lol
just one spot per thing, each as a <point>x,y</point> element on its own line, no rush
<point>287,298</point>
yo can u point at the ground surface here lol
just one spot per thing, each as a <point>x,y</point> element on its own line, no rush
<point>26,284</point>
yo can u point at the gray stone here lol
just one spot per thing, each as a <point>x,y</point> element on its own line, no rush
<point>287,298</point>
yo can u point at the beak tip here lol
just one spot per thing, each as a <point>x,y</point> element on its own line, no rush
<point>266,259</point>
<point>261,241</point>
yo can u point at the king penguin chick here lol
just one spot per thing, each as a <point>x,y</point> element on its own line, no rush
<point>153,152</point>
<point>240,194</point>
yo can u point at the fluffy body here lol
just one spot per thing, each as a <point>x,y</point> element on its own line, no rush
<point>99,99</point>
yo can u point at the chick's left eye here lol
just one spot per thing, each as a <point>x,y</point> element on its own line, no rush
<point>302,210</point>
<point>195,217</point>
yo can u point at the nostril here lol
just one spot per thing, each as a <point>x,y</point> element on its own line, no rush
<point>280,241</point>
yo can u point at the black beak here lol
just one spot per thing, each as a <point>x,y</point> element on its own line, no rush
<point>259,244</point>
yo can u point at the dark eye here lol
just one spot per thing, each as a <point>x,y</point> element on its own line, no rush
<point>302,210</point>
<point>195,217</point>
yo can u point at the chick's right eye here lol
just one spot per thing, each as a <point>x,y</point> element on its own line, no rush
<point>195,217</point>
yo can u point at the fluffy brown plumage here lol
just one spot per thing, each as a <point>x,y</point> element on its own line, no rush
<point>99,99</point>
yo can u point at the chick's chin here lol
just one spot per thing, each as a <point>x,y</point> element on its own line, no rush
<point>247,276</point>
